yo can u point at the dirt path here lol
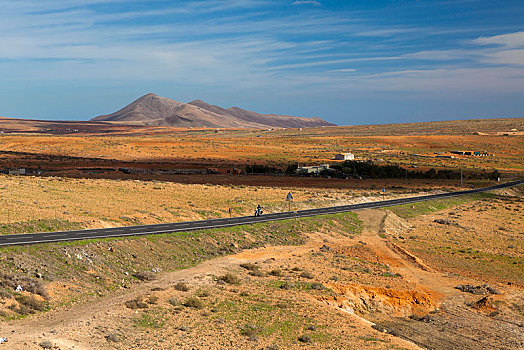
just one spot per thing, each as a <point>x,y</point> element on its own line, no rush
<point>434,283</point>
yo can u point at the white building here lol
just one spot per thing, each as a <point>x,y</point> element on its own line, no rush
<point>316,169</point>
<point>345,156</point>
<point>20,171</point>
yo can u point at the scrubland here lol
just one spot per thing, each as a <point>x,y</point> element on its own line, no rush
<point>481,238</point>
<point>278,148</point>
<point>311,283</point>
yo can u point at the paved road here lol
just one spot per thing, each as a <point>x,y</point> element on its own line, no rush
<point>48,237</point>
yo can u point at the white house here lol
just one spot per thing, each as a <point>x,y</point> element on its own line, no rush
<point>20,171</point>
<point>344,156</point>
<point>316,169</point>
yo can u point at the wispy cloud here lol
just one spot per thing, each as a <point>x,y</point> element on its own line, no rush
<point>307,2</point>
<point>510,40</point>
<point>249,45</point>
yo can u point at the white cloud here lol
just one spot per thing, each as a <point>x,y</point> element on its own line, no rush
<point>344,70</point>
<point>510,40</point>
<point>445,55</point>
<point>494,80</point>
<point>385,32</point>
<point>57,40</point>
<point>505,57</point>
<point>306,2</point>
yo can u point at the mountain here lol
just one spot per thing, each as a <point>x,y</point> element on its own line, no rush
<point>272,120</point>
<point>160,111</point>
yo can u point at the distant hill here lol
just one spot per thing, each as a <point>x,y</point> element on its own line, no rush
<point>160,111</point>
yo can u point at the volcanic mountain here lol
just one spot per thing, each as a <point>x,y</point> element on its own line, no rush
<point>160,111</point>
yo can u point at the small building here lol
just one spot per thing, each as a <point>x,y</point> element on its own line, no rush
<point>316,169</point>
<point>344,156</point>
<point>20,171</point>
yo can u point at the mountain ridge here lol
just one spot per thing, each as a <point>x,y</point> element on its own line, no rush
<point>155,110</point>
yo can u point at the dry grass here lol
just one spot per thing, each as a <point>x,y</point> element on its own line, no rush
<point>33,204</point>
<point>481,239</point>
<point>393,143</point>
<point>96,202</point>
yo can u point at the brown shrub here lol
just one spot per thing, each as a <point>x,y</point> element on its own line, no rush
<point>194,303</point>
<point>249,266</point>
<point>230,278</point>
<point>31,303</point>
<point>144,275</point>
<point>257,273</point>
<point>136,304</point>
<point>173,301</point>
<point>275,272</point>
<point>28,284</point>
<point>181,286</point>
<point>307,275</point>
<point>152,300</point>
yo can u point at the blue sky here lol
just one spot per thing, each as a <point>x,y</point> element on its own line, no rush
<point>349,62</point>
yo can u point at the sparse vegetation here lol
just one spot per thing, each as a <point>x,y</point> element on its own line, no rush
<point>144,275</point>
<point>136,304</point>
<point>173,301</point>
<point>181,286</point>
<point>485,252</point>
<point>152,300</point>
<point>306,274</point>
<point>39,225</point>
<point>422,208</point>
<point>275,272</point>
<point>249,266</point>
<point>193,302</point>
<point>230,278</point>
<point>305,338</point>
<point>257,273</point>
<point>149,320</point>
<point>12,281</point>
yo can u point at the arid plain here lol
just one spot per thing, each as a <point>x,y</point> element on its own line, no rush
<point>428,275</point>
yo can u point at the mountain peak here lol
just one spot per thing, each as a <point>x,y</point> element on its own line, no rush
<point>197,101</point>
<point>151,95</point>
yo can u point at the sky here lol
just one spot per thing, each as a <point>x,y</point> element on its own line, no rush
<point>346,61</point>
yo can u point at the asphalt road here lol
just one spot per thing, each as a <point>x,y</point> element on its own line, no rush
<point>48,237</point>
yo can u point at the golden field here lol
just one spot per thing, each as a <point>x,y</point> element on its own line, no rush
<point>101,202</point>
<point>415,144</point>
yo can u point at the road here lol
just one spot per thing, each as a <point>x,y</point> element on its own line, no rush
<point>49,237</point>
